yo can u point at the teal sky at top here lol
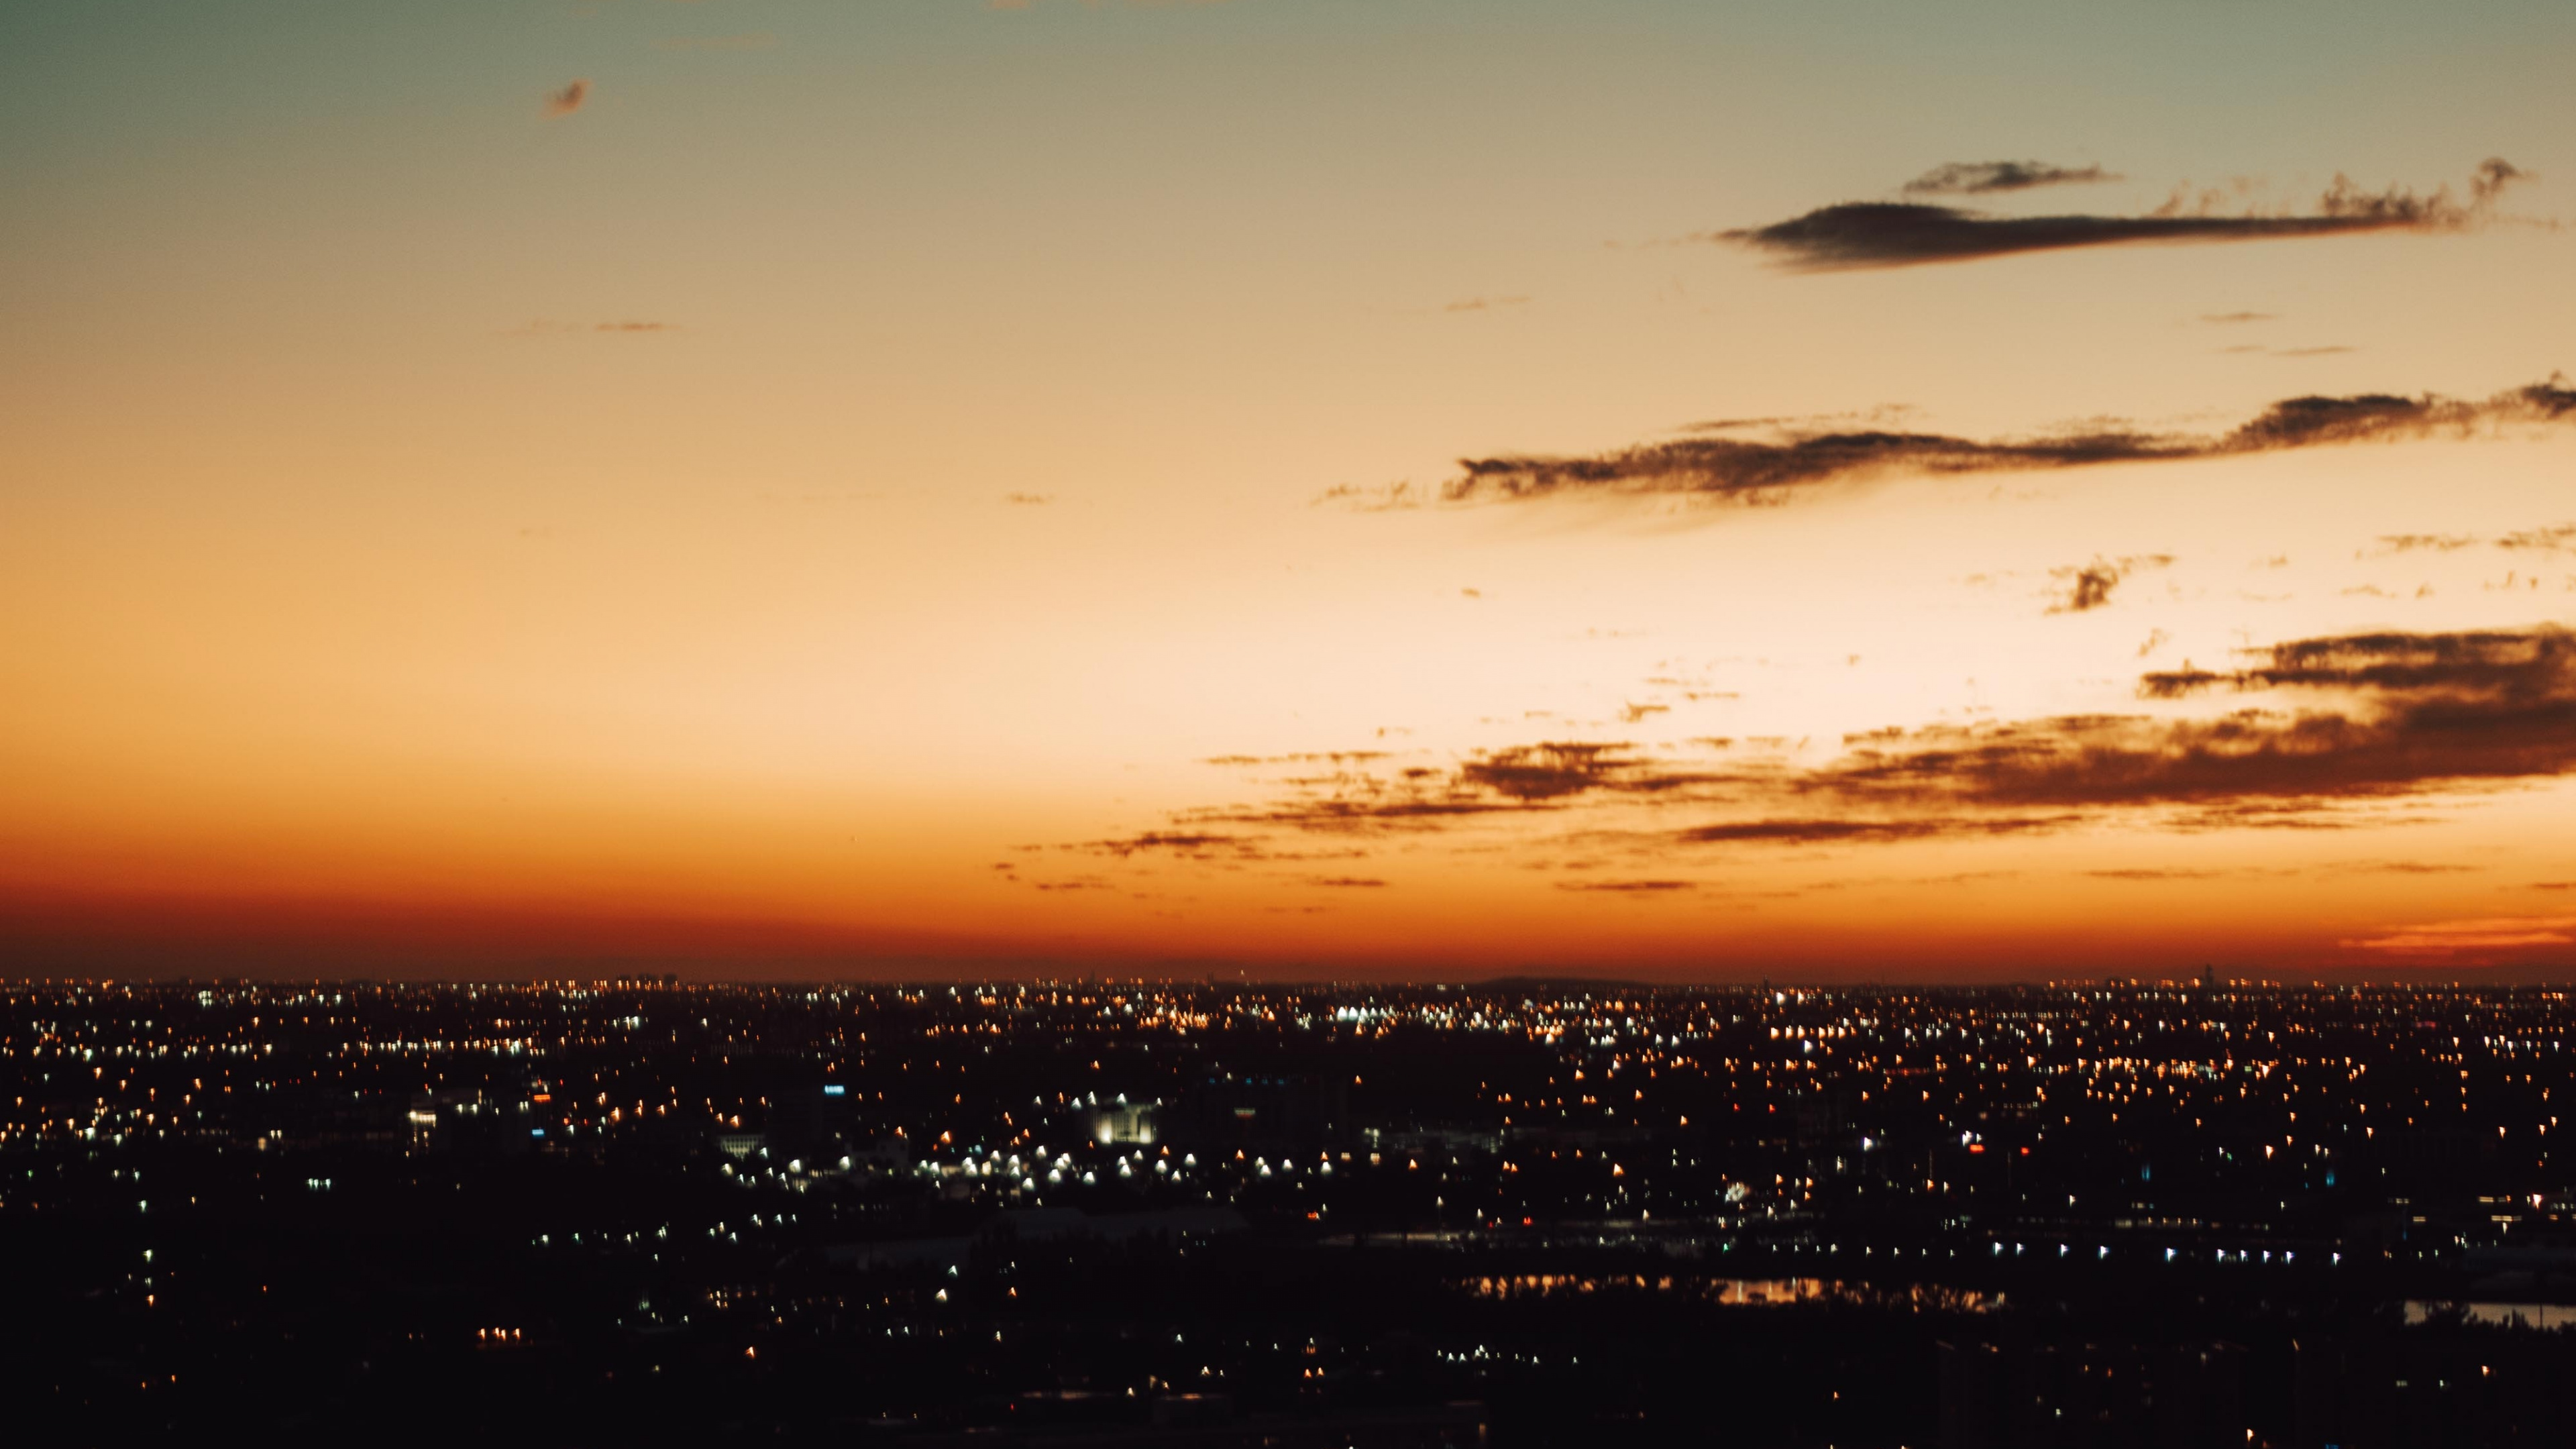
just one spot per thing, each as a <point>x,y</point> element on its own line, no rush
<point>1321,120</point>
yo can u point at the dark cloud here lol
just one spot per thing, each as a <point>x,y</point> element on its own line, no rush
<point>1485,304</point>
<point>2559,537</point>
<point>568,100</point>
<point>1629,887</point>
<point>1545,772</point>
<point>631,327</point>
<point>2226,319</point>
<point>1902,233</point>
<point>1520,779</point>
<point>1838,830</point>
<point>2499,665</point>
<point>1345,882</point>
<point>2323,734</point>
<point>2406,713</point>
<point>2089,586</point>
<point>1196,845</point>
<point>1028,500</point>
<point>1978,178</point>
<point>1751,471</point>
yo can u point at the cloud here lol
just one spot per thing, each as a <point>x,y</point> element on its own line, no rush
<point>1485,304</point>
<point>2559,537</point>
<point>633,327</point>
<point>1863,234</point>
<point>1837,830</point>
<point>2404,713</point>
<point>1978,178</point>
<point>2314,734</point>
<point>1028,500</point>
<point>2503,664</point>
<point>1201,845</point>
<point>1629,887</point>
<point>1771,471</point>
<point>1518,779</point>
<point>1345,882</point>
<point>2450,938</point>
<point>2437,542</point>
<point>2227,319</point>
<point>2374,717</point>
<point>568,100</point>
<point>1205,847</point>
<point>2089,587</point>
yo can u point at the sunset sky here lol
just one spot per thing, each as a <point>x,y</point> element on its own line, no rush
<point>1300,488</point>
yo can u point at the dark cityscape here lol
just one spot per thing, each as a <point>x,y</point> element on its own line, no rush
<point>1099,1212</point>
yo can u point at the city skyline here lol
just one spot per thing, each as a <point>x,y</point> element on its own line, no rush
<point>1329,491</point>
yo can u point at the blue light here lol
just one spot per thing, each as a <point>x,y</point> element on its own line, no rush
<point>835,1090</point>
<point>536,1132</point>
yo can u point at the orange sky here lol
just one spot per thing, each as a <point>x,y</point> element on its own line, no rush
<point>900,490</point>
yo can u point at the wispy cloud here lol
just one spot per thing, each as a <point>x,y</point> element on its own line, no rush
<point>2370,717</point>
<point>2454,938</point>
<point>2089,586</point>
<point>568,100</point>
<point>1980,178</point>
<point>1899,233</point>
<point>1844,830</point>
<point>2323,732</point>
<point>1773,470</point>
<point>2556,538</point>
<point>2392,543</point>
